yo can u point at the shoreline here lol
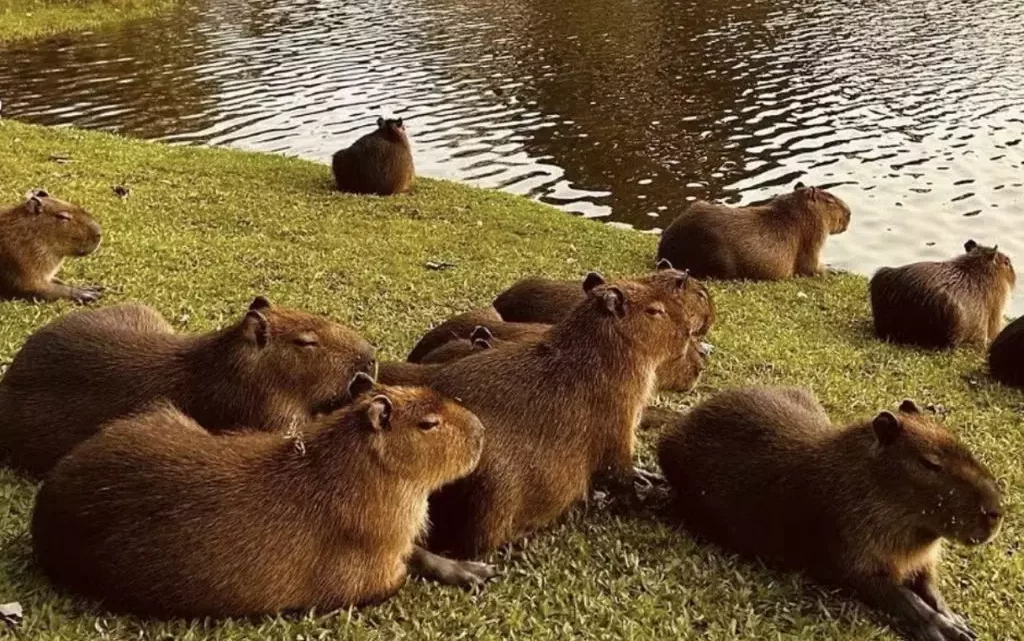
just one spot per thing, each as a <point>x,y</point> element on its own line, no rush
<point>27,20</point>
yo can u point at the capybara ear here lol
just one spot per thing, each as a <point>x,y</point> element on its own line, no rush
<point>592,280</point>
<point>909,407</point>
<point>256,328</point>
<point>614,301</point>
<point>663,264</point>
<point>970,246</point>
<point>380,122</point>
<point>399,122</point>
<point>34,205</point>
<point>482,343</point>
<point>995,253</point>
<point>379,412</point>
<point>360,384</point>
<point>481,333</point>
<point>259,303</point>
<point>799,186</point>
<point>887,427</point>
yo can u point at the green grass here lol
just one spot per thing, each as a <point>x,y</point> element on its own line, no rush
<point>205,230</point>
<point>30,19</point>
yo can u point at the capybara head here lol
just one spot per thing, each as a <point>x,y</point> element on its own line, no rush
<point>818,202</point>
<point>67,229</point>
<point>299,355</point>
<point>416,433</point>
<point>392,128</point>
<point>990,258</point>
<point>696,297</point>
<point>933,479</point>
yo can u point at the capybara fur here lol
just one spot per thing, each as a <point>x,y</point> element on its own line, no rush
<point>778,240</point>
<point>406,373</point>
<point>761,471</point>
<point>378,163</point>
<point>156,516</point>
<point>35,238</point>
<point>273,368</point>
<point>463,325</point>
<point>480,338</point>
<point>1006,355</point>
<point>559,410</point>
<point>944,304</point>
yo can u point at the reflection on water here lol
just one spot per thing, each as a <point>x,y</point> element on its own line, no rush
<point>609,108</point>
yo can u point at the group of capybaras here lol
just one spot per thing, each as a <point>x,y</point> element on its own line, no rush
<point>275,465</point>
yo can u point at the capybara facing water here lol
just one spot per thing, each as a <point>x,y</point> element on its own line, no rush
<point>863,507</point>
<point>35,238</point>
<point>778,240</point>
<point>378,163</point>
<point>558,411</point>
<point>154,515</point>
<point>943,304</point>
<point>272,369</point>
<point>1006,355</point>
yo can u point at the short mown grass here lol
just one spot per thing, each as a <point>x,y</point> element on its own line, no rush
<point>31,19</point>
<point>204,231</point>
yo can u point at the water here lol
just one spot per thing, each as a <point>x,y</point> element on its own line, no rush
<point>622,110</point>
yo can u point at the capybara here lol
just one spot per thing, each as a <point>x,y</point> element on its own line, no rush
<point>559,411</point>
<point>463,325</point>
<point>35,238</point>
<point>378,163</point>
<point>1006,355</point>
<point>480,338</point>
<point>155,516</point>
<point>271,369</point>
<point>780,239</point>
<point>761,471</point>
<point>943,304</point>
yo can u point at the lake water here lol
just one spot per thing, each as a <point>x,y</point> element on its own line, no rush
<point>623,110</point>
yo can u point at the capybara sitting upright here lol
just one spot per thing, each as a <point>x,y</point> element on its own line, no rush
<point>154,515</point>
<point>761,471</point>
<point>1006,355</point>
<point>774,241</point>
<point>558,411</point>
<point>35,238</point>
<point>378,163</point>
<point>943,304</point>
<point>273,369</point>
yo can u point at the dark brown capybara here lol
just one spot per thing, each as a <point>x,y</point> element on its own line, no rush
<point>378,163</point>
<point>463,325</point>
<point>1006,355</point>
<point>944,304</point>
<point>777,240</point>
<point>863,507</point>
<point>35,238</point>
<point>155,516</point>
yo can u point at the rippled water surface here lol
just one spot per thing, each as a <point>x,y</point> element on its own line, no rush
<point>913,110</point>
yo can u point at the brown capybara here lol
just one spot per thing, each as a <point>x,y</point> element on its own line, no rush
<point>559,410</point>
<point>35,238</point>
<point>780,239</point>
<point>273,367</point>
<point>864,507</point>
<point>943,304</point>
<point>155,516</point>
<point>406,373</point>
<point>378,163</point>
<point>463,325</point>
<point>1006,355</point>
<point>547,301</point>
<point>480,338</point>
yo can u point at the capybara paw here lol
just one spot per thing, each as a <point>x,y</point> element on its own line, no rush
<point>467,574</point>
<point>86,295</point>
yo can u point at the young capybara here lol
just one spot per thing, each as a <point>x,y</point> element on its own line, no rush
<point>943,304</point>
<point>774,241</point>
<point>35,238</point>
<point>156,516</point>
<point>406,373</point>
<point>463,325</point>
<point>479,339</point>
<point>559,410</point>
<point>1006,355</point>
<point>378,163</point>
<point>273,367</point>
<point>864,507</point>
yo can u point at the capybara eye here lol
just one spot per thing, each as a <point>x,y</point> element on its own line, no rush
<point>306,341</point>
<point>931,463</point>
<point>64,216</point>
<point>655,310</point>
<point>428,424</point>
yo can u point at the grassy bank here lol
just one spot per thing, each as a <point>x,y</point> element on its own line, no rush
<point>203,231</point>
<point>29,19</point>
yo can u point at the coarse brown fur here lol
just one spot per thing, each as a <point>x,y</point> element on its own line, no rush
<point>156,516</point>
<point>944,304</point>
<point>272,369</point>
<point>463,325</point>
<point>479,339</point>
<point>865,506</point>
<point>774,241</point>
<point>35,238</point>
<point>406,373</point>
<point>558,411</point>
<point>1006,355</point>
<point>378,163</point>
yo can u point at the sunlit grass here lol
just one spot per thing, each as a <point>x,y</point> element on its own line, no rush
<point>30,19</point>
